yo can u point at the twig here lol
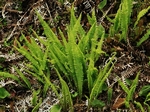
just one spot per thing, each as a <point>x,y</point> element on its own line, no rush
<point>19,21</point>
<point>103,17</point>
<point>11,10</point>
<point>4,8</point>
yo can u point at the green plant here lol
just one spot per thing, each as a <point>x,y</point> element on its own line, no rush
<point>140,15</point>
<point>8,75</point>
<point>145,92</point>
<point>144,38</point>
<point>3,93</point>
<point>102,76</point>
<point>75,57</point>
<point>56,108</point>
<point>27,82</point>
<point>139,105</point>
<point>70,58</point>
<point>129,91</point>
<point>122,20</point>
<point>66,100</point>
<point>38,66</point>
<point>102,4</point>
<point>147,100</point>
<point>35,100</point>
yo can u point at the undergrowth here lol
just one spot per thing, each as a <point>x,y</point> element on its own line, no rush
<point>73,58</point>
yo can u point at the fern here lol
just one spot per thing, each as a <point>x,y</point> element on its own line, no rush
<point>132,90</point>
<point>24,52</point>
<point>49,83</point>
<point>36,107</point>
<point>69,57</point>
<point>147,100</point>
<point>110,94</point>
<point>98,86</point>
<point>8,75</point>
<point>27,82</point>
<point>85,43</point>
<point>122,19</point>
<point>125,16</point>
<point>57,63</point>
<point>117,23</point>
<point>49,33</point>
<point>35,97</point>
<point>102,4</point>
<point>140,106</point>
<point>124,87</point>
<point>144,38</point>
<point>91,74</point>
<point>4,93</point>
<point>78,61</point>
<point>92,58</point>
<point>140,15</point>
<point>129,91</point>
<point>66,100</point>
<point>92,19</point>
<point>38,58</point>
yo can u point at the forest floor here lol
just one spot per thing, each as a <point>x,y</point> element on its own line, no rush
<point>18,17</point>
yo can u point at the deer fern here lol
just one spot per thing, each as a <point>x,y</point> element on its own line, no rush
<point>129,91</point>
<point>66,100</point>
<point>102,76</point>
<point>122,19</point>
<point>141,14</point>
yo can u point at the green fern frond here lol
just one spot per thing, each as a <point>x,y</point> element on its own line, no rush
<point>123,86</point>
<point>27,82</point>
<point>92,19</point>
<point>41,40</point>
<point>34,48</point>
<point>91,74</point>
<point>28,55</point>
<point>63,38</point>
<point>132,90</point>
<point>85,42</point>
<point>102,4</point>
<point>78,61</point>
<point>122,19</point>
<point>66,100</point>
<point>129,91</point>
<point>116,21</point>
<point>60,55</point>
<point>49,83</point>
<point>144,38</point>
<point>138,104</point>
<point>98,47</point>
<point>37,76</point>
<point>141,14</point>
<point>48,32</point>
<point>75,28</point>
<point>97,88</point>
<point>125,17</point>
<point>57,62</point>
<point>73,31</point>
<point>8,75</point>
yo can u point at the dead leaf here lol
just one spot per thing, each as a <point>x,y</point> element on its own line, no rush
<point>118,103</point>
